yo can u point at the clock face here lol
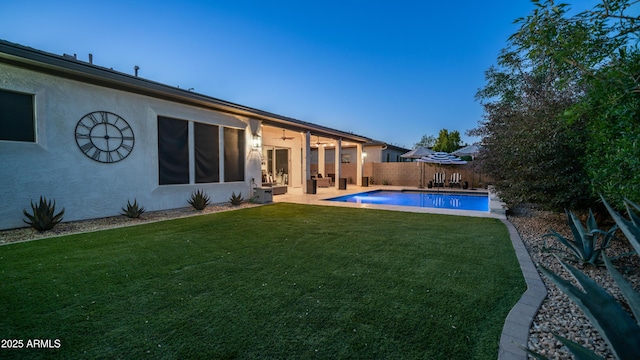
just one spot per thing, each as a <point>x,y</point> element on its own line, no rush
<point>104,136</point>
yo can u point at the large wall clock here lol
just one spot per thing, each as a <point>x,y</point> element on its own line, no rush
<point>104,136</point>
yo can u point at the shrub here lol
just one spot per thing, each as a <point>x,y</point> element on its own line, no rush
<point>199,200</point>
<point>584,247</point>
<point>236,200</point>
<point>615,325</point>
<point>44,217</point>
<point>133,211</point>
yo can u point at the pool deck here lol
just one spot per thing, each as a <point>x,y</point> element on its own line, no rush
<point>515,332</point>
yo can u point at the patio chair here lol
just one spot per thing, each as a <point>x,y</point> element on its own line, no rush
<point>323,181</point>
<point>438,180</point>
<point>455,180</point>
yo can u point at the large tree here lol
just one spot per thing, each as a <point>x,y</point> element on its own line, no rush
<point>448,141</point>
<point>527,149</point>
<point>601,50</point>
<point>427,141</point>
<point>561,108</point>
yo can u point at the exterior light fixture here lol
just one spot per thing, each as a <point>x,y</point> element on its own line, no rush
<point>257,141</point>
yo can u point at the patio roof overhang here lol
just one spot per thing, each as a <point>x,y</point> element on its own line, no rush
<point>71,68</point>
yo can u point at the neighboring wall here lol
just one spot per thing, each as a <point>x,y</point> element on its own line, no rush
<point>55,167</point>
<point>392,155</point>
<point>386,153</point>
<point>408,173</point>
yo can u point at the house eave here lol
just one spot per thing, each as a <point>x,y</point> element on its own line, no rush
<point>71,68</point>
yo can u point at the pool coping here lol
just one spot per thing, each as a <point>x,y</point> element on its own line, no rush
<point>497,208</point>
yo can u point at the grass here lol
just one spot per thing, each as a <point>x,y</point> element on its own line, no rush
<point>276,281</point>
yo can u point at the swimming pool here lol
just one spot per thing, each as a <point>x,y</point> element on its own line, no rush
<point>457,201</point>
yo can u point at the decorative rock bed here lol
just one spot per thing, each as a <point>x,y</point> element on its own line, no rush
<point>66,228</point>
<point>558,314</point>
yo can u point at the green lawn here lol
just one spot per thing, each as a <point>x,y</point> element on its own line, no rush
<point>276,281</point>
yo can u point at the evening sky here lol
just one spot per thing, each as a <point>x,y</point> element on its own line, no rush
<point>389,70</point>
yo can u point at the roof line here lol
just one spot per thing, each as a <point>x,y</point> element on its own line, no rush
<point>71,68</point>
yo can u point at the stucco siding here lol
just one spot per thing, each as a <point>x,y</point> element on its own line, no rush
<point>55,167</point>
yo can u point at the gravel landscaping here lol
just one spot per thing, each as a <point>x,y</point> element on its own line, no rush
<point>66,228</point>
<point>557,315</point>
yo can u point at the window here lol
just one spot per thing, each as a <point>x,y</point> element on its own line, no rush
<point>17,119</point>
<point>234,144</point>
<point>207,153</point>
<point>173,151</point>
<point>176,163</point>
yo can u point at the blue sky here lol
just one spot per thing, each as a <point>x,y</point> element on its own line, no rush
<point>388,70</point>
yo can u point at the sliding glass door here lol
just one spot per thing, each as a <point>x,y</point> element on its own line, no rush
<point>278,165</point>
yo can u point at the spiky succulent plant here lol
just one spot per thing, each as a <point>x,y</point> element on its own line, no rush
<point>199,200</point>
<point>133,211</point>
<point>615,324</point>
<point>585,247</point>
<point>236,200</point>
<point>44,215</point>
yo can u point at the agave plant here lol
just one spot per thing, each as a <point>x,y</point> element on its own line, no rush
<point>630,228</point>
<point>199,200</point>
<point>133,211</point>
<point>236,200</point>
<point>615,325</point>
<point>585,246</point>
<point>44,215</point>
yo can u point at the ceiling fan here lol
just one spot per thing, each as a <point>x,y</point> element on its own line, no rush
<point>284,137</point>
<point>317,144</point>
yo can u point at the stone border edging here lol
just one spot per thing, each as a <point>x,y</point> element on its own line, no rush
<point>515,333</point>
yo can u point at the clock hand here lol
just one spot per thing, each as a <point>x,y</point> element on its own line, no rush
<point>106,135</point>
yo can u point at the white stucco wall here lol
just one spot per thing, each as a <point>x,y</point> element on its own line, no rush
<point>55,167</point>
<point>374,153</point>
<point>271,139</point>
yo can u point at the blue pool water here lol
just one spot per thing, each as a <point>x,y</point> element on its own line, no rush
<point>479,202</point>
